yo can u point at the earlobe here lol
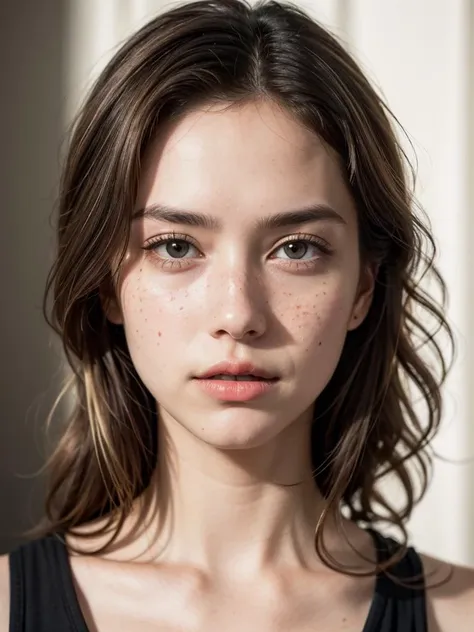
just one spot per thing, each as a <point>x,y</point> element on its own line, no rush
<point>364,296</point>
<point>360,311</point>
<point>111,307</point>
<point>113,313</point>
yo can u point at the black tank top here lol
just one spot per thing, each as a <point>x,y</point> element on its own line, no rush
<point>43,598</point>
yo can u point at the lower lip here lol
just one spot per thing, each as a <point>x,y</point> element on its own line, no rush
<point>234,390</point>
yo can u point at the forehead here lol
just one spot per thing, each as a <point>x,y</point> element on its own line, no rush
<point>247,158</point>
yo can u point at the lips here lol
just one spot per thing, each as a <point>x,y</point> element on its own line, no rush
<point>237,369</point>
<point>236,390</point>
<point>237,378</point>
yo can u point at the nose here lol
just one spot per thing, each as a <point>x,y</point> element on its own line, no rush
<point>239,307</point>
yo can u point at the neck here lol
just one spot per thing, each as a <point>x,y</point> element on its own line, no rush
<point>236,511</point>
<point>233,513</point>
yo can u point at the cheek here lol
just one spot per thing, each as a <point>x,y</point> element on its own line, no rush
<point>318,317</point>
<point>154,320</point>
<point>317,323</point>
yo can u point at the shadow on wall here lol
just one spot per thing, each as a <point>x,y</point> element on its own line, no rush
<point>32,134</point>
<point>470,232</point>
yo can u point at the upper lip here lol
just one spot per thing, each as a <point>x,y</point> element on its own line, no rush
<point>237,368</point>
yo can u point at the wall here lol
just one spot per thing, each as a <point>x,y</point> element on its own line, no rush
<point>419,53</point>
<point>31,56</point>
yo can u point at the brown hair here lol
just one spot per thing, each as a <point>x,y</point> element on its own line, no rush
<point>365,425</point>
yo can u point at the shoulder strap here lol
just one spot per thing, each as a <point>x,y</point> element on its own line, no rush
<point>43,598</point>
<point>396,607</point>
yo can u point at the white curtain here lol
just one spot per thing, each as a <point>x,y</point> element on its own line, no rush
<point>420,55</point>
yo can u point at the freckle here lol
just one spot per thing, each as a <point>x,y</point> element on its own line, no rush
<point>146,320</point>
<point>181,308</point>
<point>136,331</point>
<point>320,344</point>
<point>298,307</point>
<point>141,310</point>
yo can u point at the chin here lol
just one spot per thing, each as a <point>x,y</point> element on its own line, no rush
<point>238,429</point>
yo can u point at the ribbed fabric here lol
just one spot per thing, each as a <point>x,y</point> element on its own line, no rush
<point>43,598</point>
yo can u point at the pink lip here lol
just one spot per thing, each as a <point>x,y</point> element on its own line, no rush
<point>233,390</point>
<point>236,368</point>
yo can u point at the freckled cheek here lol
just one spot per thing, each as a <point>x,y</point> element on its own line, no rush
<point>316,316</point>
<point>153,316</point>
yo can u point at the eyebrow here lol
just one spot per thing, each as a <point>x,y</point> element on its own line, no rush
<point>311,213</point>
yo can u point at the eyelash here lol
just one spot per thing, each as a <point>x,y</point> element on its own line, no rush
<point>180,262</point>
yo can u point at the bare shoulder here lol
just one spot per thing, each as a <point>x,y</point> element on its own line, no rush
<point>449,595</point>
<point>4,593</point>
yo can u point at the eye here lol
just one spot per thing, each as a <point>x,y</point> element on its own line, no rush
<point>172,247</point>
<point>299,248</point>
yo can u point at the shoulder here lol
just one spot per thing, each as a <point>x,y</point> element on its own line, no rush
<point>4,593</point>
<point>449,595</point>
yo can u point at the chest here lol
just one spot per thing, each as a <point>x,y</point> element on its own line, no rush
<point>168,604</point>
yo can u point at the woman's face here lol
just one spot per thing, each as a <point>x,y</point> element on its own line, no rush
<point>226,281</point>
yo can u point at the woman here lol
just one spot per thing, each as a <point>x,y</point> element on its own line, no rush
<point>237,290</point>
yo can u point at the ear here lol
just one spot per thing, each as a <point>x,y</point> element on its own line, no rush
<point>364,296</point>
<point>111,304</point>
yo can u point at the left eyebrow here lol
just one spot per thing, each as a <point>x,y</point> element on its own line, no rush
<point>311,213</point>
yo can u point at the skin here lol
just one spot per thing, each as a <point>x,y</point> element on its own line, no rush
<point>237,294</point>
<point>218,543</point>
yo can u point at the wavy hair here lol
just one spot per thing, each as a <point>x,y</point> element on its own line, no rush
<point>382,406</point>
